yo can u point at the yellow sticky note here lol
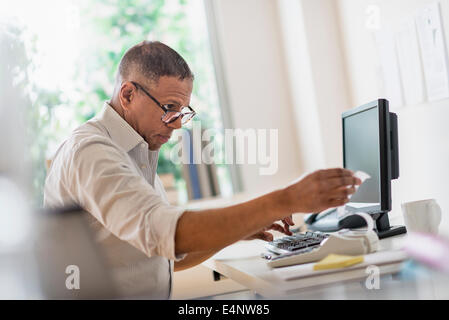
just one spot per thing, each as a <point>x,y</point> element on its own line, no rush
<point>335,261</point>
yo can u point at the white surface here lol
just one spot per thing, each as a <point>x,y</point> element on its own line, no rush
<point>390,68</point>
<point>410,62</point>
<point>433,52</point>
<point>317,78</point>
<point>242,249</point>
<point>198,282</point>
<point>301,83</point>
<point>242,263</point>
<point>257,83</point>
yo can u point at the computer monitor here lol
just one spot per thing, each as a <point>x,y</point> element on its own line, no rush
<point>370,144</point>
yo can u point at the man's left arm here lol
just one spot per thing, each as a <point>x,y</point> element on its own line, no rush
<point>195,258</point>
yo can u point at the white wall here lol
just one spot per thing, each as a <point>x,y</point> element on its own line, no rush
<point>301,63</point>
<point>257,83</point>
<point>423,129</point>
<point>317,78</point>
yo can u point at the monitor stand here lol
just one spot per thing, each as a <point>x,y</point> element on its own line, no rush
<point>383,228</point>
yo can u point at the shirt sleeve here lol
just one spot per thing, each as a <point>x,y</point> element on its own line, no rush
<point>102,179</point>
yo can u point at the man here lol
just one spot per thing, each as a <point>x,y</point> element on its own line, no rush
<point>108,166</point>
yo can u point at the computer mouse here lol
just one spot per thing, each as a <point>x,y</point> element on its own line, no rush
<point>351,221</point>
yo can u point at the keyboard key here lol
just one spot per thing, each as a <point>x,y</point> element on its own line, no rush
<point>298,242</point>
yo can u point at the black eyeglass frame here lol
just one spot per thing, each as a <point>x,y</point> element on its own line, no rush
<point>166,110</point>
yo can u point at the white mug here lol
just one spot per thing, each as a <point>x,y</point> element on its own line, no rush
<point>422,216</point>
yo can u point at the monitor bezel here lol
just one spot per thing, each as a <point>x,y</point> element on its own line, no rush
<point>382,106</point>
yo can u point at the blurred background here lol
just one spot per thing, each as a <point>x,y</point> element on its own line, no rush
<point>296,64</point>
<point>71,50</point>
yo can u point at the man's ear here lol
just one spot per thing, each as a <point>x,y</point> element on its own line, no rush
<point>126,95</point>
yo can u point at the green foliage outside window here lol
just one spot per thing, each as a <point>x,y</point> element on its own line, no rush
<point>113,26</point>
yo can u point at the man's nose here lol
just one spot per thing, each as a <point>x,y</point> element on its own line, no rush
<point>177,124</point>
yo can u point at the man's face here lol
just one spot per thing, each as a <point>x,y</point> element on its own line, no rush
<point>144,115</point>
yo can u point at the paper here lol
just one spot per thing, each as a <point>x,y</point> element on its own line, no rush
<point>433,51</point>
<point>390,68</point>
<point>363,176</point>
<point>410,63</point>
<point>335,261</point>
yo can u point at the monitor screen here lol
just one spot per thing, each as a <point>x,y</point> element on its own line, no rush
<point>361,152</point>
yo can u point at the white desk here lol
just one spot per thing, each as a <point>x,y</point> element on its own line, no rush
<point>242,263</point>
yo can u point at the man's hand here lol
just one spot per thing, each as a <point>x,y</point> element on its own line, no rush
<point>320,190</point>
<point>267,236</point>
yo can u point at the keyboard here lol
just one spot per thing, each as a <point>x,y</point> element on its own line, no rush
<point>346,242</point>
<point>296,242</point>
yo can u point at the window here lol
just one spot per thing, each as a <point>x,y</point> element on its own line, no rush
<point>73,49</point>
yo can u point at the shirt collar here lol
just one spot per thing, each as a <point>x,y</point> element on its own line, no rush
<point>119,130</point>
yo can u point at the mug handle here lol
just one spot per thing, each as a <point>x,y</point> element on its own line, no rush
<point>436,209</point>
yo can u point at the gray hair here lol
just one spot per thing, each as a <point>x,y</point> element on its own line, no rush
<point>152,60</point>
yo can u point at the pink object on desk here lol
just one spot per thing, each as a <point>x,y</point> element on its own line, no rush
<point>429,249</point>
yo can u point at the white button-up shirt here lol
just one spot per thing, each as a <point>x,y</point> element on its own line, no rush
<point>105,166</point>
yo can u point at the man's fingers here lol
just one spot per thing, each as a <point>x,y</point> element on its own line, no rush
<point>287,229</point>
<point>289,221</point>
<point>277,227</point>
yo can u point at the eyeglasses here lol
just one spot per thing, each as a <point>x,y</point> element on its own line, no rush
<point>169,116</point>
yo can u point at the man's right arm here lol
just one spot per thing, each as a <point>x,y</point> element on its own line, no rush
<point>217,228</point>
<point>102,181</point>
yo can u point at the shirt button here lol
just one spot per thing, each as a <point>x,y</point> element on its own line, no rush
<point>143,166</point>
